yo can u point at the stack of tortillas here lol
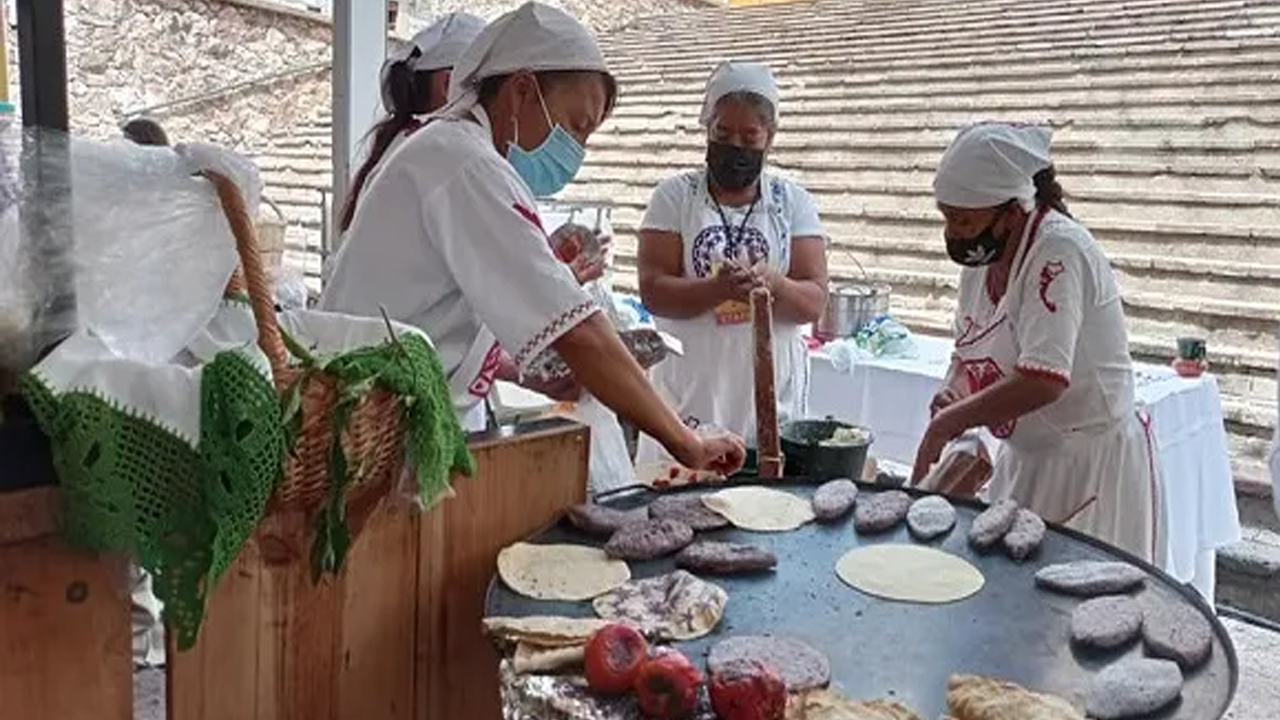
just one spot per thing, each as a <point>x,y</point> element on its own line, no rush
<point>760,509</point>
<point>543,644</point>
<point>560,572</point>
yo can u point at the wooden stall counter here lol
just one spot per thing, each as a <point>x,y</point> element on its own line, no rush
<point>397,634</point>
<point>65,638</point>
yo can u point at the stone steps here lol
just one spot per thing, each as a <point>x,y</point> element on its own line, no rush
<point>1249,573</point>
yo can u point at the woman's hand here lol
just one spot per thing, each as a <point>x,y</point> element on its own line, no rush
<point>587,268</point>
<point>941,431</point>
<point>944,398</point>
<point>722,453</point>
<point>735,282</point>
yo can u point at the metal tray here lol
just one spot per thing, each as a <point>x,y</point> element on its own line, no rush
<point>880,649</point>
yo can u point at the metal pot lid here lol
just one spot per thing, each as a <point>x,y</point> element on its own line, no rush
<point>859,290</point>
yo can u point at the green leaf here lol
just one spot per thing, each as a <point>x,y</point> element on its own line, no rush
<point>296,349</point>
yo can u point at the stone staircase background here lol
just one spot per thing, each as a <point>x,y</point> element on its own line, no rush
<point>1168,143</point>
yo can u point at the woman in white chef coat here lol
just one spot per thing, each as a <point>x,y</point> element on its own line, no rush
<point>447,236</point>
<point>711,235</point>
<point>413,84</point>
<point>1041,351</point>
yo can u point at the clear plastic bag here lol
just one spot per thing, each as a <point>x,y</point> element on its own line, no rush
<point>115,238</point>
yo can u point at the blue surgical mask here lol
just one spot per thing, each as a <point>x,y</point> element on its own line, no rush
<point>547,168</point>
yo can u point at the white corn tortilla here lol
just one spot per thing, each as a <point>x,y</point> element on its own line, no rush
<point>543,631</point>
<point>760,509</point>
<point>560,572</point>
<point>910,573</point>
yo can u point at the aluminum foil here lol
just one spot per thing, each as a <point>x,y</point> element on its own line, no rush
<point>560,697</point>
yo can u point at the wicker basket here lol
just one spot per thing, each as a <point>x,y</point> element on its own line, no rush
<point>374,437</point>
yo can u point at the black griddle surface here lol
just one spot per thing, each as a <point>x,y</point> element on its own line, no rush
<point>881,649</point>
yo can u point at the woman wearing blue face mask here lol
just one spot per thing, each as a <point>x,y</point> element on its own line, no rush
<point>447,235</point>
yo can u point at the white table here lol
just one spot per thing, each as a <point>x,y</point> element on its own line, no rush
<point>891,398</point>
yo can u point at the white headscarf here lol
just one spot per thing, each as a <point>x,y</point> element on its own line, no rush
<point>989,164</point>
<point>533,37</point>
<point>731,77</point>
<point>436,47</point>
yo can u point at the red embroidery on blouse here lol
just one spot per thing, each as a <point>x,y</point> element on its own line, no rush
<point>483,381</point>
<point>552,328</point>
<point>982,373</point>
<point>1048,274</point>
<point>412,126</point>
<point>529,215</point>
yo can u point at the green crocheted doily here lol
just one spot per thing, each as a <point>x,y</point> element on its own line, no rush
<point>130,485</point>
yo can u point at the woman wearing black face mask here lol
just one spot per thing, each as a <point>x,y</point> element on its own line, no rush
<point>711,235</point>
<point>1041,354</point>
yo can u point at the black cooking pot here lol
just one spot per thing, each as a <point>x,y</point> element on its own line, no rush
<point>805,456</point>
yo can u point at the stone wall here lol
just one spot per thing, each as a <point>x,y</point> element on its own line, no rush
<point>268,69</point>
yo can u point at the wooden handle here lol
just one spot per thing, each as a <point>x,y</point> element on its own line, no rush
<point>768,444</point>
<point>255,278</point>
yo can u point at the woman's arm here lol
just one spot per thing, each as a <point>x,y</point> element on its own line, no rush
<point>801,296</point>
<point>1008,399</point>
<point>602,365</point>
<point>664,289</point>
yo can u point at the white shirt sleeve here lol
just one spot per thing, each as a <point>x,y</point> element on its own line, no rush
<point>489,232</point>
<point>664,210</point>
<point>1049,316</point>
<point>804,214</point>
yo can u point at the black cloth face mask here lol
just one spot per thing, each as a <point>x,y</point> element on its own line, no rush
<point>733,168</point>
<point>981,249</point>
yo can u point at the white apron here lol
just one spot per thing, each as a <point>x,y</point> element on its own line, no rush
<point>712,385</point>
<point>1097,478</point>
<point>471,383</point>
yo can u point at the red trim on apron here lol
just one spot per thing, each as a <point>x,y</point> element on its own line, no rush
<point>1013,271</point>
<point>1082,507</point>
<point>965,341</point>
<point>483,382</point>
<point>1145,419</point>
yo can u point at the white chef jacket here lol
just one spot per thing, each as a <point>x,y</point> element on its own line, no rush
<point>447,238</point>
<point>712,383</point>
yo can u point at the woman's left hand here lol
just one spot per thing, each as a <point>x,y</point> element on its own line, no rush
<point>936,438</point>
<point>587,268</point>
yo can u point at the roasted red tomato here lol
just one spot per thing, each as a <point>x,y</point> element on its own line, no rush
<point>747,690</point>
<point>613,657</point>
<point>667,686</point>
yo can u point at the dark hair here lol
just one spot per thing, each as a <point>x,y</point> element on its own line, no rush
<point>548,79</point>
<point>144,131</point>
<point>409,92</point>
<point>1048,191</point>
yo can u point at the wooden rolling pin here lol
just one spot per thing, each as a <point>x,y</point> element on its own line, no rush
<point>768,444</point>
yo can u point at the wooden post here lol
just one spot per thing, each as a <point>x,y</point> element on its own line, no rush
<point>65,639</point>
<point>397,635</point>
<point>769,459</point>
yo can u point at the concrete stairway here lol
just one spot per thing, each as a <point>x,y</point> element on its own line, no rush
<point>1168,141</point>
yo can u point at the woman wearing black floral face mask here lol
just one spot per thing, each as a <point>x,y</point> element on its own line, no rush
<point>1041,355</point>
<point>711,235</point>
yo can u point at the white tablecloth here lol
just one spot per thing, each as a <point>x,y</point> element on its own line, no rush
<point>891,397</point>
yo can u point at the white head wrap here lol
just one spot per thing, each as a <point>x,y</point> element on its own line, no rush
<point>436,47</point>
<point>989,164</point>
<point>533,37</point>
<point>731,77</point>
